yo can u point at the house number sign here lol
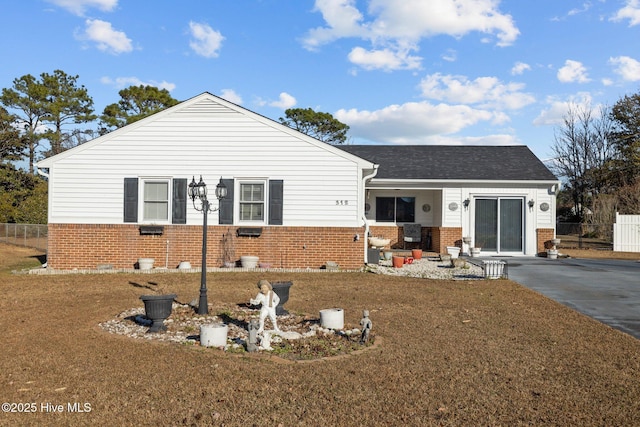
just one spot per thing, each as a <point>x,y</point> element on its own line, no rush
<point>342,202</point>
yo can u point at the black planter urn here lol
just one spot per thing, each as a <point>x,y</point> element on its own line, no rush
<point>157,308</point>
<point>282,290</point>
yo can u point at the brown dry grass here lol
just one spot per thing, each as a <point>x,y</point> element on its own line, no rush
<point>452,353</point>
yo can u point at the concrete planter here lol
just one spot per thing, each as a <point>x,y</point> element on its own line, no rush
<point>145,263</point>
<point>214,335</point>
<point>493,269</point>
<point>282,290</point>
<point>157,308</point>
<point>454,251</point>
<point>248,261</point>
<point>332,318</point>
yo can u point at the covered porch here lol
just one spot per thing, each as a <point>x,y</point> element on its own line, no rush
<point>499,221</point>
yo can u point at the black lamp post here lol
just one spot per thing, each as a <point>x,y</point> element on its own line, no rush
<point>199,191</point>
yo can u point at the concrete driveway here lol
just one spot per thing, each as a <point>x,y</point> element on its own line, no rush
<point>606,290</point>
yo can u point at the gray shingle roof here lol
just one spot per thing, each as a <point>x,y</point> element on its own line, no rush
<point>462,162</point>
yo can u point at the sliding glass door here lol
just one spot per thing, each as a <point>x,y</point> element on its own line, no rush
<point>499,224</point>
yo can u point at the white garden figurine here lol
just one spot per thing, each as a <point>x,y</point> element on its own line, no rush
<point>269,300</point>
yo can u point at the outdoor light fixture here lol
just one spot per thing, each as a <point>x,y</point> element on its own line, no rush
<point>531,204</point>
<point>466,203</point>
<point>199,191</point>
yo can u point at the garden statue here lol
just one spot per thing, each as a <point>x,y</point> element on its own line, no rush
<point>253,336</point>
<point>269,300</point>
<point>265,341</point>
<point>366,326</point>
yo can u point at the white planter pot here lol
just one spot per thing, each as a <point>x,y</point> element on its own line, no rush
<point>552,254</point>
<point>249,261</point>
<point>475,252</point>
<point>214,335</point>
<point>493,269</point>
<point>454,251</point>
<point>332,318</point>
<point>184,265</point>
<point>378,242</point>
<point>145,263</point>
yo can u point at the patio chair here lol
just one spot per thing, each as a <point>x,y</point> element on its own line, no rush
<point>412,233</point>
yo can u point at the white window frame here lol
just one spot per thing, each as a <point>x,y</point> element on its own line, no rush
<point>142,201</point>
<point>265,200</point>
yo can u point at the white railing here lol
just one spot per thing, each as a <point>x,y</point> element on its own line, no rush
<point>626,233</point>
<point>29,235</point>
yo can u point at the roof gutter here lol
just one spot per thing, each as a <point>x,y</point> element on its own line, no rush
<point>365,179</point>
<point>413,183</point>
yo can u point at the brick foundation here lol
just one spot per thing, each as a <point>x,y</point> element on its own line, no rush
<point>433,238</point>
<point>89,245</point>
<point>543,237</point>
<point>446,236</point>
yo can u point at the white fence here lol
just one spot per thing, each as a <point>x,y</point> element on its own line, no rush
<point>626,233</point>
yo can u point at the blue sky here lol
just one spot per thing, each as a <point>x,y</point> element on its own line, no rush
<point>395,71</point>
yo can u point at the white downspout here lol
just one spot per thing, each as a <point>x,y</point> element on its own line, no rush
<point>42,173</point>
<point>365,238</point>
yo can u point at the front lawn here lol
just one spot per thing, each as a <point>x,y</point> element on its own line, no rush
<point>458,353</point>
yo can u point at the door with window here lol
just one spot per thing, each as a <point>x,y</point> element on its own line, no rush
<point>499,224</point>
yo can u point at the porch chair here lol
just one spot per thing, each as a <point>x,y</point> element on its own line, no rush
<point>412,233</point>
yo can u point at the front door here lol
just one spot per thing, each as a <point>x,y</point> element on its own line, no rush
<point>499,224</point>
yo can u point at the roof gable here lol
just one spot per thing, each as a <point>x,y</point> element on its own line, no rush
<point>203,105</point>
<point>454,162</point>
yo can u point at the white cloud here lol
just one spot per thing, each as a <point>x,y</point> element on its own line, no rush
<point>206,41</point>
<point>106,38</point>
<point>585,7</point>
<point>399,25</point>
<point>450,56</point>
<point>520,68</point>
<point>343,20</point>
<point>631,12</point>
<point>78,7</point>
<point>626,67</point>
<point>122,82</point>
<point>414,122</point>
<point>284,101</point>
<point>486,92</point>
<point>385,59</point>
<point>557,109</point>
<point>573,72</point>
<point>231,96</point>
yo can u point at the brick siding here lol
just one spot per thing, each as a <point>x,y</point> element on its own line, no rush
<point>543,237</point>
<point>84,246</point>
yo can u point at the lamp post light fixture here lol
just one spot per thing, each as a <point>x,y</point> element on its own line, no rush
<point>199,191</point>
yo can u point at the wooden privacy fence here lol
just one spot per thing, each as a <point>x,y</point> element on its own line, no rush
<point>626,233</point>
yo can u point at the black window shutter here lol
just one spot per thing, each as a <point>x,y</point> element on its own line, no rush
<point>275,201</point>
<point>179,205</point>
<point>131,200</point>
<point>225,214</point>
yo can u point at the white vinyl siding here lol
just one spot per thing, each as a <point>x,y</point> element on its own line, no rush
<point>321,183</point>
